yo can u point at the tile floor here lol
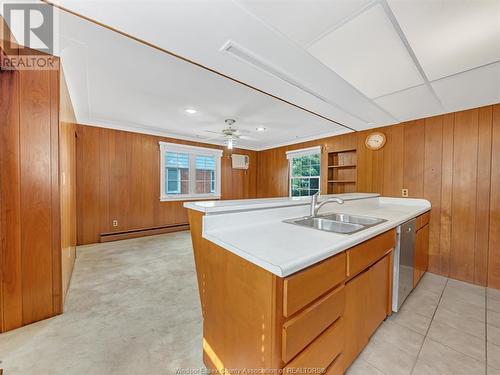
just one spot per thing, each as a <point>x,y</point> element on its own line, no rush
<point>133,309</point>
<point>445,327</point>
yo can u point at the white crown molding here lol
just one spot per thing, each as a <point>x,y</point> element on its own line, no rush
<point>147,131</point>
<point>159,133</point>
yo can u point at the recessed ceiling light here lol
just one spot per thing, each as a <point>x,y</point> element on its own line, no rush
<point>260,129</point>
<point>191,111</point>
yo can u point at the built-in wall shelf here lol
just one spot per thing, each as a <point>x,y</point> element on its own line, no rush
<point>342,171</point>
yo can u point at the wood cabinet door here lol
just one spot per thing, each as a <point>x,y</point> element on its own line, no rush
<point>378,294</point>
<point>356,309</point>
<point>367,297</point>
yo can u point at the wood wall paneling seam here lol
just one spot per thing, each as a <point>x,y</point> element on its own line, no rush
<point>494,230</point>
<point>485,123</point>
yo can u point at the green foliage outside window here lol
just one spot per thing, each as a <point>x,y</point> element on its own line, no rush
<point>305,175</point>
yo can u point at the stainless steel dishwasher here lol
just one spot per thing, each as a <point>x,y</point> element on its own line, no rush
<point>404,256</point>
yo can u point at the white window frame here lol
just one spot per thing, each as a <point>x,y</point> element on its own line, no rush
<point>192,151</point>
<point>290,155</point>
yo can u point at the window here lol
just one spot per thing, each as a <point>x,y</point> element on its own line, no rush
<point>177,169</point>
<point>189,172</point>
<point>304,171</point>
<point>205,174</point>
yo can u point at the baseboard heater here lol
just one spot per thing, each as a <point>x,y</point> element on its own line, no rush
<point>134,233</point>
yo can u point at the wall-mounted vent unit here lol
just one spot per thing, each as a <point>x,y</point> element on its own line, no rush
<point>240,161</point>
<point>260,63</point>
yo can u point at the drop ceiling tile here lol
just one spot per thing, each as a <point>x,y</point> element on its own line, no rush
<point>414,103</point>
<point>303,20</point>
<point>470,89</point>
<point>368,53</point>
<point>450,36</point>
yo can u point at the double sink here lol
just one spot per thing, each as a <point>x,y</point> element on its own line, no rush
<point>337,223</point>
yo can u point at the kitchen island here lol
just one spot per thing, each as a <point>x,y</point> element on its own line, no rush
<point>277,296</point>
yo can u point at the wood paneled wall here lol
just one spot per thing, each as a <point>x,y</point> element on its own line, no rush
<point>36,117</point>
<point>494,222</point>
<point>30,228</point>
<point>10,210</point>
<point>118,176</point>
<point>453,160</point>
<point>67,156</point>
<point>272,168</point>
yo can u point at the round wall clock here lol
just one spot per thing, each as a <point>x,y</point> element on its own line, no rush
<point>375,141</point>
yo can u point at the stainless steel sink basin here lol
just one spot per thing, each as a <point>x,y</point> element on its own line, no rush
<point>327,225</point>
<point>337,223</point>
<point>345,218</point>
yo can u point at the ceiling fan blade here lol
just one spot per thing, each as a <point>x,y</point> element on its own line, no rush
<point>211,131</point>
<point>245,137</point>
<point>243,131</point>
<point>212,139</point>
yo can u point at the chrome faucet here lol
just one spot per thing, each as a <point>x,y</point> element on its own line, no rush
<point>315,206</point>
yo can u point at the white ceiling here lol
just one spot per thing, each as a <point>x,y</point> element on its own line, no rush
<point>127,85</point>
<point>368,52</point>
<point>304,21</point>
<point>450,36</point>
<point>363,63</point>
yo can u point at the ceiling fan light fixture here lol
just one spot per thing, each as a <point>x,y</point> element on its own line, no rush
<point>260,129</point>
<point>230,143</point>
<point>190,111</point>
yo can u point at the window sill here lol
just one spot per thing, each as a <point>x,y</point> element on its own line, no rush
<point>190,198</point>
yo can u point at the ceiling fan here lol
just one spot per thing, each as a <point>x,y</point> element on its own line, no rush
<point>230,134</point>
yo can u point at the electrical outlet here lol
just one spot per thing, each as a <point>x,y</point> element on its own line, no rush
<point>115,223</point>
<point>404,193</point>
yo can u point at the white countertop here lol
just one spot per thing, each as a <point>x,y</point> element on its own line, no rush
<point>218,206</point>
<point>261,237</point>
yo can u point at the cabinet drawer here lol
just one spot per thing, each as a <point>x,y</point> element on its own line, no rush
<point>322,352</point>
<point>302,329</point>
<point>337,367</point>
<point>304,287</point>
<point>422,220</point>
<point>363,255</point>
